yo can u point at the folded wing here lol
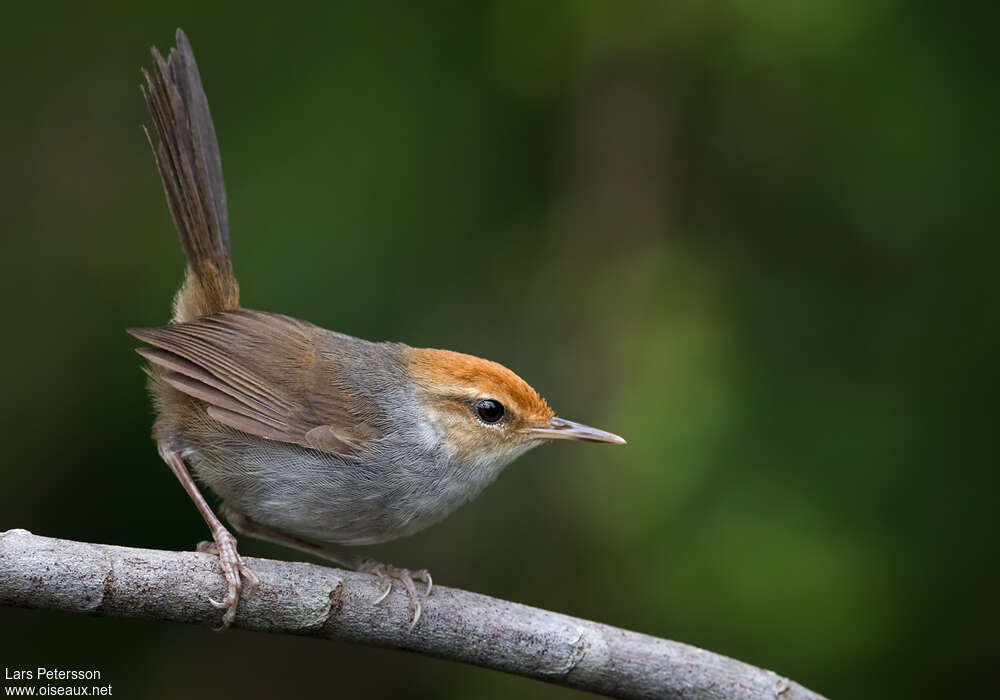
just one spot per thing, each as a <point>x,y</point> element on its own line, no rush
<point>263,374</point>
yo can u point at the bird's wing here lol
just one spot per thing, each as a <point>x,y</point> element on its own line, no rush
<point>263,374</point>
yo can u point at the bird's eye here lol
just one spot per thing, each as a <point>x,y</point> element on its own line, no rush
<point>489,411</point>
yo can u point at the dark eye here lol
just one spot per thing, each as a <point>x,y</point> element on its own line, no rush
<point>489,411</point>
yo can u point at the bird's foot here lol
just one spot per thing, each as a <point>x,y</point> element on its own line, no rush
<point>233,567</point>
<point>387,573</point>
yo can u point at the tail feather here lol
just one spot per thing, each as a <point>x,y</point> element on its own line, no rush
<point>187,156</point>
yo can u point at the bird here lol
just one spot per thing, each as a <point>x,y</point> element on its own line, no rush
<point>311,438</point>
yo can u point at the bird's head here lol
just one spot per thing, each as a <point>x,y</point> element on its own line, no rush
<point>482,410</point>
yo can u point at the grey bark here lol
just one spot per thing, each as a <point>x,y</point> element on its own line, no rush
<point>305,599</point>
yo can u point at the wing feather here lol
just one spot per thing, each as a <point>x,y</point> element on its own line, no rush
<point>263,374</point>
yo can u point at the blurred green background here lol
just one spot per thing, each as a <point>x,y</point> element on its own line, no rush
<point>759,240</point>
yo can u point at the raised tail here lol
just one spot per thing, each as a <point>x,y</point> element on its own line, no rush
<point>187,156</point>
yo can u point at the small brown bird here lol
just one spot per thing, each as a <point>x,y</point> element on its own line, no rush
<point>311,437</point>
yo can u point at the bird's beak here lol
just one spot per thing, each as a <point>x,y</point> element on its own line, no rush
<point>560,429</point>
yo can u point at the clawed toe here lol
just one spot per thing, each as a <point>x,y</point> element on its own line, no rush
<point>386,574</point>
<point>252,580</point>
<point>417,608</point>
<point>384,592</point>
<point>385,581</point>
<point>235,571</point>
<point>424,576</point>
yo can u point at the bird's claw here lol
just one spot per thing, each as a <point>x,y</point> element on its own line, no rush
<point>233,568</point>
<point>386,574</point>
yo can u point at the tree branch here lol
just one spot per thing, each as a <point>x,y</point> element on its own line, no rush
<point>299,598</point>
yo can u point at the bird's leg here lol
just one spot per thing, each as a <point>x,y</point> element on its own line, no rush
<point>385,573</point>
<point>224,545</point>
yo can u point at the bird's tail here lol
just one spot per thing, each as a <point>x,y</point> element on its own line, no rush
<point>187,156</point>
